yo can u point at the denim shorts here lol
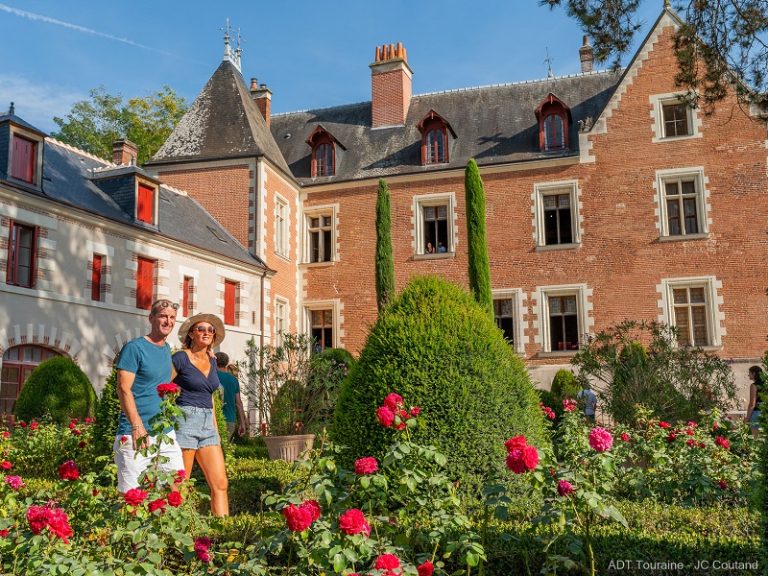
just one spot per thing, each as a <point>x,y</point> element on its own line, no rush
<point>196,428</point>
<point>754,420</point>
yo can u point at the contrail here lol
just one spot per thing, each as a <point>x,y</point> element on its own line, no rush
<point>41,18</point>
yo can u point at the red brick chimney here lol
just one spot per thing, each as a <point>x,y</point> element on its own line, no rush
<point>390,86</point>
<point>124,152</point>
<point>263,98</point>
<point>586,55</point>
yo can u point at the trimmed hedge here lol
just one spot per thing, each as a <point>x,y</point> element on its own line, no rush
<point>56,389</point>
<point>564,384</point>
<point>437,348</point>
<point>107,413</point>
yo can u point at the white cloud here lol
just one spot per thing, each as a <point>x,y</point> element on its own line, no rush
<point>35,102</point>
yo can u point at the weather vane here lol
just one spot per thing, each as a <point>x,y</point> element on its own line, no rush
<point>548,62</point>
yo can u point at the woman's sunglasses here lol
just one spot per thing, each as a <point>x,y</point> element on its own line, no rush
<point>209,329</point>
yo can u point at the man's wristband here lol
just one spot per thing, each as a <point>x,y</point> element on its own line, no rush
<point>136,426</point>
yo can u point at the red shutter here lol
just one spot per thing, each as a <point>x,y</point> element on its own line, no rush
<point>145,283</point>
<point>96,277</point>
<point>24,159</point>
<point>230,290</point>
<point>145,209</point>
<point>185,296</point>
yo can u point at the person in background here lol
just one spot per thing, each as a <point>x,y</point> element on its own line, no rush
<point>234,412</point>
<point>590,402</point>
<point>441,247</point>
<point>755,398</point>
<point>198,434</point>
<point>142,365</point>
<point>429,249</point>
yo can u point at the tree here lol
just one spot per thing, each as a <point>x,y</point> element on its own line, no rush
<point>477,241</point>
<point>720,44</point>
<point>94,124</point>
<point>385,264</point>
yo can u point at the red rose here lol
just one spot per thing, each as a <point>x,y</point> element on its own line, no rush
<point>22,424</point>
<point>4,533</point>
<point>298,518</point>
<point>387,562</point>
<point>6,434</point>
<point>415,411</point>
<point>367,465</point>
<point>353,522</point>
<point>313,507</point>
<point>58,524</point>
<point>385,416</point>
<point>5,465</point>
<point>663,424</point>
<point>671,437</point>
<point>175,499</point>
<point>515,442</point>
<point>123,439</point>
<point>625,437</point>
<point>167,388</point>
<point>723,484</point>
<point>569,405</point>
<point>135,496</point>
<point>393,401</point>
<point>72,424</point>
<point>180,476</point>
<point>76,432</point>
<point>425,569</point>
<point>34,425</point>
<point>530,457</point>
<point>691,442</point>
<point>564,488</point>
<point>88,420</point>
<point>157,504</point>
<point>722,441</point>
<point>69,471</point>
<point>202,549</point>
<point>37,517</point>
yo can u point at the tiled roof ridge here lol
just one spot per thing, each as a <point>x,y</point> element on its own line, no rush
<point>177,191</point>
<point>107,164</point>
<point>465,89</point>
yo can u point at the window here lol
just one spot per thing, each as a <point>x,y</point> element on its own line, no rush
<point>682,202</point>
<point>97,279</point>
<point>22,255</point>
<point>24,159</point>
<point>230,302</point>
<point>145,206</point>
<point>324,151</point>
<point>321,328</point>
<point>434,229</point>
<point>187,296</point>
<point>434,138</point>
<point>557,221</point>
<point>691,306</point>
<point>145,283</point>
<point>553,116</point>
<point>320,228</point>
<point>563,317</point>
<point>281,320</point>
<point>281,227</point>
<point>673,118</point>
<point>504,313</point>
<point>18,364</point>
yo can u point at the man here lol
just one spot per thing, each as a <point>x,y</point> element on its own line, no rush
<point>590,402</point>
<point>234,413</point>
<point>143,364</point>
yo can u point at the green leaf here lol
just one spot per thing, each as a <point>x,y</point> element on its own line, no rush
<point>339,562</point>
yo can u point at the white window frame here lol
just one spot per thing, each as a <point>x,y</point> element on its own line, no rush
<point>702,201</point>
<point>282,226</point>
<point>541,190</point>
<point>319,212</point>
<point>583,307</point>
<point>714,303</point>
<point>281,319</point>
<point>332,305</point>
<point>658,101</point>
<point>447,199</point>
<point>518,314</point>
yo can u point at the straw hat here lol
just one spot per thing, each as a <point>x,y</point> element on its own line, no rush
<point>211,319</point>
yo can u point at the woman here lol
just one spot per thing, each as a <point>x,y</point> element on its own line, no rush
<point>755,400</point>
<point>198,434</point>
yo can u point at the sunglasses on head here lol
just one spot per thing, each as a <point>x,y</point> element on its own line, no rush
<point>209,329</point>
<point>158,305</point>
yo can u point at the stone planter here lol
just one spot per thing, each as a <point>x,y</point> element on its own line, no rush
<point>288,448</point>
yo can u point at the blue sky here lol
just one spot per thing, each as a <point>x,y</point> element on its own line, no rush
<point>310,54</point>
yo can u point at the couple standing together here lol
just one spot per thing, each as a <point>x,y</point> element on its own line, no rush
<point>146,362</point>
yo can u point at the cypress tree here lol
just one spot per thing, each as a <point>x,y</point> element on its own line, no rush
<point>385,263</point>
<point>477,241</point>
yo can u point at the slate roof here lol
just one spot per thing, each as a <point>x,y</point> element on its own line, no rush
<point>8,116</point>
<point>67,178</point>
<point>493,124</point>
<point>223,122</point>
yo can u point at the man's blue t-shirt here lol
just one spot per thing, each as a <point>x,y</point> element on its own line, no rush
<point>231,389</point>
<point>152,366</point>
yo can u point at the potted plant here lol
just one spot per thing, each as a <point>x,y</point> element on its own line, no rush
<point>294,390</point>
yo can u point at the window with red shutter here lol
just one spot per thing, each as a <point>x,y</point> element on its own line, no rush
<point>230,299</point>
<point>96,278</point>
<point>22,255</point>
<point>145,283</point>
<point>145,207</point>
<point>186,296</point>
<point>24,155</point>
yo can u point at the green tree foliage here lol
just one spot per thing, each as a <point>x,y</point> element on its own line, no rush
<point>440,351</point>
<point>94,124</point>
<point>107,412</point>
<point>477,240</point>
<point>638,363</point>
<point>56,389</point>
<point>721,45</point>
<point>565,385</point>
<point>385,263</point>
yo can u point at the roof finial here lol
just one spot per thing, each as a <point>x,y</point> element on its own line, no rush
<point>666,3</point>
<point>548,61</point>
<point>12,110</point>
<point>238,50</point>
<point>227,47</point>
<point>230,55</point>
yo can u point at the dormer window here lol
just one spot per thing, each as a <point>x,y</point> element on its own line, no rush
<point>434,139</point>
<point>24,159</point>
<point>324,152</point>
<point>145,203</point>
<point>554,117</point>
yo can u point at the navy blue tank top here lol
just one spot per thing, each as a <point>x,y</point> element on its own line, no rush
<point>196,387</point>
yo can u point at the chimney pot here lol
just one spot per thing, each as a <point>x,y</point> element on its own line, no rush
<point>586,55</point>
<point>254,84</point>
<point>124,153</point>
<point>262,96</point>
<point>391,86</point>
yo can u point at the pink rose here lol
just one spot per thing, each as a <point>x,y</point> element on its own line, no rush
<point>564,488</point>
<point>15,482</point>
<point>600,439</point>
<point>366,465</point>
<point>69,471</point>
<point>353,522</point>
<point>385,416</point>
<point>521,459</point>
<point>569,405</point>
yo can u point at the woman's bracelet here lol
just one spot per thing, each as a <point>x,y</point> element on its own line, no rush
<point>136,426</point>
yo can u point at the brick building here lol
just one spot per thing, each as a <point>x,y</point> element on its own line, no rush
<point>608,198</point>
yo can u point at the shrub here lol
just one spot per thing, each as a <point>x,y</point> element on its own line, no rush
<point>56,389</point>
<point>107,412</point>
<point>221,421</point>
<point>436,347</point>
<point>564,385</point>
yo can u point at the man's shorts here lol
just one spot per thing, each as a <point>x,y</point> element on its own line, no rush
<point>196,428</point>
<point>131,464</point>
